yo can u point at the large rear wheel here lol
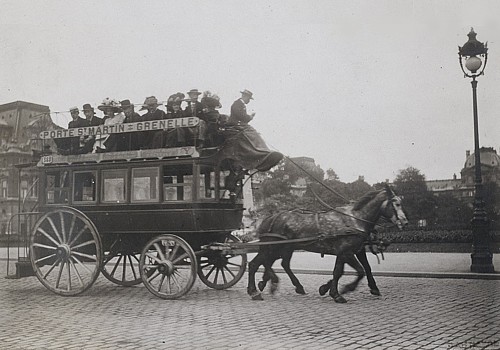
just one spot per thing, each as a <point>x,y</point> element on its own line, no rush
<point>65,251</point>
<point>168,266</point>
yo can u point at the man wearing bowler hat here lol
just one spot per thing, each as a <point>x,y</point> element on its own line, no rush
<point>151,104</point>
<point>93,120</point>
<point>195,109</point>
<point>76,122</point>
<point>239,115</point>
<point>133,140</point>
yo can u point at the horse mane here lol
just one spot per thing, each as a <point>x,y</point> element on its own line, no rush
<point>365,199</point>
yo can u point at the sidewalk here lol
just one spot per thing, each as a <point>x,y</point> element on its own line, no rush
<point>428,265</point>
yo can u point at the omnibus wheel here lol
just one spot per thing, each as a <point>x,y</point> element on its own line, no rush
<point>122,268</point>
<point>168,266</point>
<point>221,271</point>
<point>65,251</point>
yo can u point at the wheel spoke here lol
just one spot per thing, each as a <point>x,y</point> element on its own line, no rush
<point>153,276</point>
<point>210,272</point>
<point>56,231</point>
<point>229,270</point>
<point>152,257</point>
<point>45,258</point>
<point>173,253</point>
<point>84,255</point>
<point>61,267</point>
<point>223,275</point>
<point>76,271</point>
<point>83,244</point>
<point>216,275</point>
<point>80,263</point>
<point>48,236</point>
<point>183,256</point>
<point>62,226</point>
<point>158,249</point>
<point>39,245</point>
<point>176,282</point>
<point>78,235</point>
<point>161,282</point>
<point>71,227</point>
<point>51,268</point>
<point>124,267</point>
<point>116,265</point>
<point>132,267</point>
<point>233,264</point>
<point>69,276</point>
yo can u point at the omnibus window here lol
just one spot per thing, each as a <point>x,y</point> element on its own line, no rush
<point>57,187</point>
<point>113,186</point>
<point>207,182</point>
<point>177,183</point>
<point>145,185</point>
<point>84,187</point>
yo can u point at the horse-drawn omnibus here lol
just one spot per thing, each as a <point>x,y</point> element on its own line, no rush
<point>138,216</point>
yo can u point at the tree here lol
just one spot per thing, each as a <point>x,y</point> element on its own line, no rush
<point>418,201</point>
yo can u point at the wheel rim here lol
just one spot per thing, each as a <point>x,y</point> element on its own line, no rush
<point>168,266</point>
<point>65,251</point>
<point>122,268</point>
<point>221,271</point>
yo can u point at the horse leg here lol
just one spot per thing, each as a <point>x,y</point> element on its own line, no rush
<point>285,263</point>
<point>354,263</point>
<point>265,278</point>
<point>338,271</point>
<point>361,255</point>
<point>325,288</point>
<point>253,266</point>
<point>272,275</point>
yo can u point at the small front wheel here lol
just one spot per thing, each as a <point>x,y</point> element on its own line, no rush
<point>168,266</point>
<point>221,271</point>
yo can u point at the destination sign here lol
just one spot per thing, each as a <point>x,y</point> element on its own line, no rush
<point>186,122</point>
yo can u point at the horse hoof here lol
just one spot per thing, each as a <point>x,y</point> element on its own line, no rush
<point>324,289</point>
<point>375,292</point>
<point>257,296</point>
<point>340,299</point>
<point>261,285</point>
<point>274,287</point>
<point>300,290</point>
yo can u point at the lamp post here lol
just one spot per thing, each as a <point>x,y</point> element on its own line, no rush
<point>471,53</point>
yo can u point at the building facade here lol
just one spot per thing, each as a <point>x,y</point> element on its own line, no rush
<point>20,124</point>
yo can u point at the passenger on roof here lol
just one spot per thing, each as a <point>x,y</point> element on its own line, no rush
<point>239,115</point>
<point>195,135</point>
<point>93,120</point>
<point>76,143</point>
<point>172,137</point>
<point>153,113</point>
<point>112,115</point>
<point>211,104</point>
<point>132,139</point>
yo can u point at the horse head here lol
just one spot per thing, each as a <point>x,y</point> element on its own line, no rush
<point>392,209</point>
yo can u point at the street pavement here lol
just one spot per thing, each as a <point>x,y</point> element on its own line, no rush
<point>412,313</point>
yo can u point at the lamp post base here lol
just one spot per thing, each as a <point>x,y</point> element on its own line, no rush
<point>482,262</point>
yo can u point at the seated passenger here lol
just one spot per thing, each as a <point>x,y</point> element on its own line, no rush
<point>112,115</point>
<point>172,137</point>
<point>211,104</point>
<point>76,143</point>
<point>132,139</point>
<point>153,113</point>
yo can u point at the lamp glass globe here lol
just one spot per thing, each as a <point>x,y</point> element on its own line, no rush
<point>473,64</point>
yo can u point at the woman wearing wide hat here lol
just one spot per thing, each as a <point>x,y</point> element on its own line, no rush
<point>112,115</point>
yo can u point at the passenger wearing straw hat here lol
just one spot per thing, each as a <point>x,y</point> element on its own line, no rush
<point>153,113</point>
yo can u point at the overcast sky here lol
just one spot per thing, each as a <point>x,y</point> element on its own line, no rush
<point>364,87</point>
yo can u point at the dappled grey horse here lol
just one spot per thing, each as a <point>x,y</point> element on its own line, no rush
<point>341,232</point>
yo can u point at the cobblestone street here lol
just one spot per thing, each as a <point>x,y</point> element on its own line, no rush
<point>412,313</point>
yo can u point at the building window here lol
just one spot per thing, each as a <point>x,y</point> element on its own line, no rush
<point>145,184</point>
<point>24,189</point>
<point>114,186</point>
<point>4,192</point>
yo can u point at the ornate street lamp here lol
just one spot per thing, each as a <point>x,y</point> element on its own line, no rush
<point>471,53</point>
